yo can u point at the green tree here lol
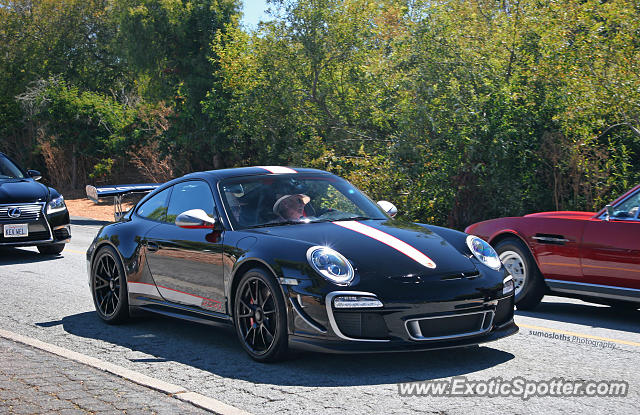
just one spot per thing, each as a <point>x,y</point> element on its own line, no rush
<point>84,126</point>
<point>38,39</point>
<point>168,45</point>
<point>314,87</point>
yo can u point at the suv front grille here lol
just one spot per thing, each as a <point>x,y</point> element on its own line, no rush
<point>27,212</point>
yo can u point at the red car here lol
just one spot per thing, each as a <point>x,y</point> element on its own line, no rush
<point>593,256</point>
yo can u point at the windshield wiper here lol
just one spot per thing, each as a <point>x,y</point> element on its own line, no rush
<point>298,222</point>
<point>352,218</point>
<point>267,225</point>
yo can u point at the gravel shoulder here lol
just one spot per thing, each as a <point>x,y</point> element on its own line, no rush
<point>85,208</point>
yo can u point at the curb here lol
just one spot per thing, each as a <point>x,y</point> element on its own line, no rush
<point>175,391</point>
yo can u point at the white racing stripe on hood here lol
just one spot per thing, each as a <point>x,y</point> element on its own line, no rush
<point>277,169</point>
<point>389,240</point>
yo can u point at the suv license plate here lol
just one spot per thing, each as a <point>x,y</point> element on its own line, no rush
<point>16,230</point>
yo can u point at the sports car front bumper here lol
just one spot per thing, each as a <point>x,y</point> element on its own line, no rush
<point>341,346</point>
<point>402,322</point>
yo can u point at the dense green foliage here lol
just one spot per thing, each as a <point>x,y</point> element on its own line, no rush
<point>456,111</point>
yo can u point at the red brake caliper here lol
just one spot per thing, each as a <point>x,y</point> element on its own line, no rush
<point>251,318</point>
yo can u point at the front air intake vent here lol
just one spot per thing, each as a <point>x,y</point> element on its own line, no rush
<point>551,239</point>
<point>450,326</point>
<point>362,325</point>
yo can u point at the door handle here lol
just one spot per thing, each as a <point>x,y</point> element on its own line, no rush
<point>152,246</point>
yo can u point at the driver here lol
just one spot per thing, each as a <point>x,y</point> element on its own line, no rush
<point>233,194</point>
<point>291,207</point>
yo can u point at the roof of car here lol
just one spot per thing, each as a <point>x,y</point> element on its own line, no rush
<point>252,171</point>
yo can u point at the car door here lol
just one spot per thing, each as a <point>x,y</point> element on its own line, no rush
<point>610,248</point>
<point>186,264</point>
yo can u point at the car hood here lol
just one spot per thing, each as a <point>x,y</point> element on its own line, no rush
<point>371,253</point>
<point>563,215</point>
<point>22,191</point>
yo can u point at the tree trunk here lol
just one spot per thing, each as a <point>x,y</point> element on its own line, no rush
<point>74,168</point>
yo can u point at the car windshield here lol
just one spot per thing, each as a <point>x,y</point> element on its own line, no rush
<point>259,201</point>
<point>8,170</point>
<point>628,208</point>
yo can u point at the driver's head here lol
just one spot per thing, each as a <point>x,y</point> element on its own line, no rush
<point>291,207</point>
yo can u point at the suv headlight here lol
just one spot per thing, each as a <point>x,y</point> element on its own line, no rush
<point>56,205</point>
<point>484,252</point>
<point>330,264</point>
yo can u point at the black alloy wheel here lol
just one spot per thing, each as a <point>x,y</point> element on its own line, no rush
<point>260,316</point>
<point>109,287</point>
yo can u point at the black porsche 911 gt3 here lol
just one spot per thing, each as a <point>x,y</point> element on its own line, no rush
<point>297,258</point>
<point>31,214</point>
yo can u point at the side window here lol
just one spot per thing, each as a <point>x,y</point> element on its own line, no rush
<point>190,195</point>
<point>629,208</point>
<point>156,207</point>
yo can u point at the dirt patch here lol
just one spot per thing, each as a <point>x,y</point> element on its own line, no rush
<point>87,209</point>
<point>79,205</point>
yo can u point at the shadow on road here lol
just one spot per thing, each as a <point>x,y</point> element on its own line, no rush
<point>76,220</point>
<point>588,314</point>
<point>13,256</point>
<point>216,350</point>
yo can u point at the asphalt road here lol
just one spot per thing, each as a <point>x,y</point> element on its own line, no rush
<point>48,298</point>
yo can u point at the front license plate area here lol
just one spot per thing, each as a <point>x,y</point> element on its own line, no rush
<point>16,230</point>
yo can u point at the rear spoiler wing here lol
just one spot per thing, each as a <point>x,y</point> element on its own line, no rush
<point>118,192</point>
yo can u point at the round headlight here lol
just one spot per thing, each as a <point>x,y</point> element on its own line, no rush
<point>330,264</point>
<point>484,252</point>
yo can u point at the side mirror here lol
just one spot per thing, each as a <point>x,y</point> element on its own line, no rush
<point>389,208</point>
<point>610,212</point>
<point>195,219</point>
<point>34,174</point>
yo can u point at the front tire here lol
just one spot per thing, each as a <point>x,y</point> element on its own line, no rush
<point>109,287</point>
<point>528,282</point>
<point>52,249</point>
<point>260,316</point>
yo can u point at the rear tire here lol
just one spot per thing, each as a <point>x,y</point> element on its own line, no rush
<point>260,316</point>
<point>52,249</point>
<point>528,281</point>
<point>109,287</point>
